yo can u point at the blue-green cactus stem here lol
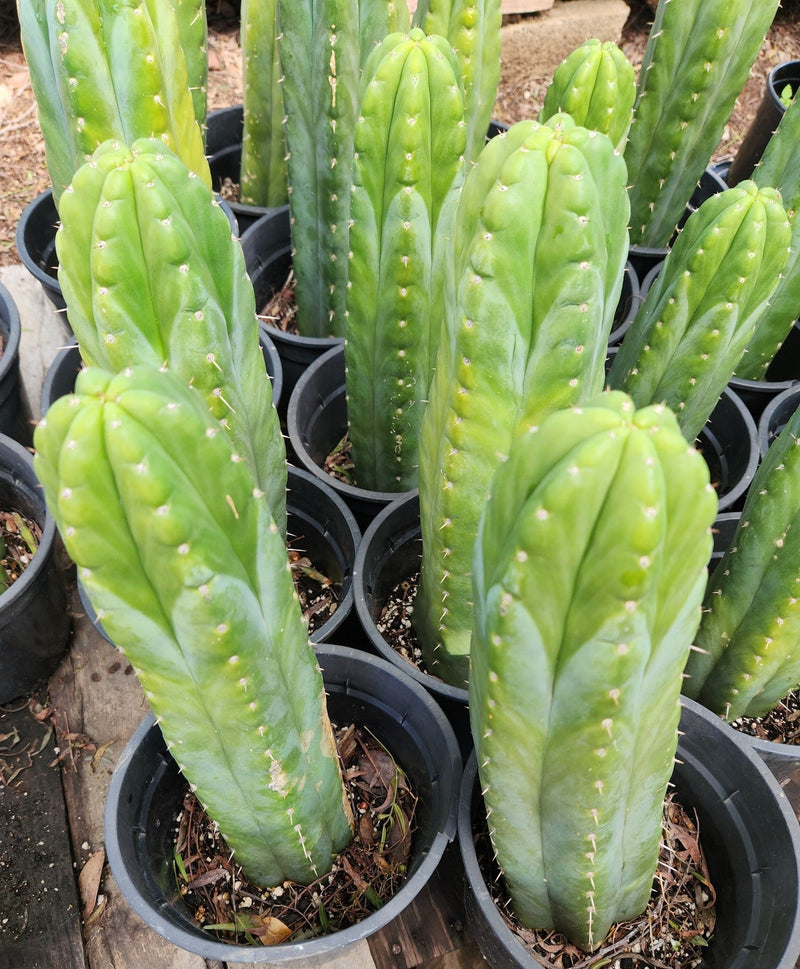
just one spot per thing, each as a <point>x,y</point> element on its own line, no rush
<point>589,572</point>
<point>263,179</point>
<point>596,86</point>
<point>698,57</point>
<point>748,645</point>
<point>779,168</point>
<point>525,333</point>
<point>409,168</point>
<point>193,34</point>
<point>699,315</point>
<point>103,69</point>
<point>321,58</point>
<point>190,577</point>
<point>473,29</point>
<point>151,274</point>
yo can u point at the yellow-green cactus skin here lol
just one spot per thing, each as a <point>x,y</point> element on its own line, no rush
<point>189,574</point>
<point>596,86</point>
<point>748,645</point>
<point>700,313</point>
<point>105,69</point>
<point>525,333</point>
<point>473,29</point>
<point>408,171</point>
<point>151,274</point>
<point>698,58</point>
<point>588,576</point>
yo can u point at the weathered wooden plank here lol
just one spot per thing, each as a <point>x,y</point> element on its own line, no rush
<point>98,704</point>
<point>431,927</point>
<point>39,911</point>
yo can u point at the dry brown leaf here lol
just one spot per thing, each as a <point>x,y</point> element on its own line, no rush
<point>275,931</point>
<point>89,881</point>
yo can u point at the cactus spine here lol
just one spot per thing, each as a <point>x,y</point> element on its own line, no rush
<point>102,69</point>
<point>698,57</point>
<point>151,274</point>
<point>779,168</point>
<point>700,313</point>
<point>596,86</point>
<point>527,334</point>
<point>409,167</point>
<point>263,171</point>
<point>190,576</point>
<point>473,29</point>
<point>747,656</point>
<point>589,572</point>
<point>321,58</point>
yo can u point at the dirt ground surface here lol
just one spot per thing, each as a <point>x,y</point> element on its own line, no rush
<point>22,152</point>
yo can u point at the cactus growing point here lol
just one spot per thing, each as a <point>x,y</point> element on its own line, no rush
<point>588,576</point>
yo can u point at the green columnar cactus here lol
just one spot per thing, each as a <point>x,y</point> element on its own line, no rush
<point>193,34</point>
<point>190,576</point>
<point>102,69</point>
<point>321,58</point>
<point>588,576</point>
<point>527,334</point>
<point>473,29</point>
<point>151,274</point>
<point>698,57</point>
<point>596,86</point>
<point>700,313</point>
<point>408,170</point>
<point>779,168</point>
<point>263,170</point>
<point>747,655</point>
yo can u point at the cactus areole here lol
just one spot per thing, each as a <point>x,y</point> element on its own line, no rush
<point>588,576</point>
<point>189,574</point>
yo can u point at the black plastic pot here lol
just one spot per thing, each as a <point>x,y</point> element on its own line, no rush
<point>35,626</point>
<point>12,419</point>
<point>316,421</point>
<point>776,416</point>
<point>146,792</point>
<point>36,245</point>
<point>747,830</point>
<point>725,524</point>
<point>62,372</point>
<point>630,299</point>
<point>729,444</point>
<point>224,129</point>
<point>766,120</point>
<point>782,373</point>
<point>267,247</point>
<point>390,551</point>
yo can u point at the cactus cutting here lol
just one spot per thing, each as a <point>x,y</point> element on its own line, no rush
<point>701,312</point>
<point>121,70</point>
<point>583,625</point>
<point>408,170</point>
<point>189,574</point>
<point>151,274</point>
<point>747,655</point>
<point>527,334</point>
